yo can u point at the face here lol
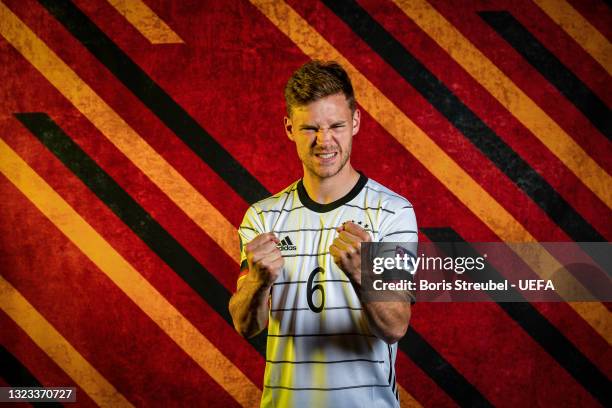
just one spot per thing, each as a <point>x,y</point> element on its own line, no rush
<point>323,134</point>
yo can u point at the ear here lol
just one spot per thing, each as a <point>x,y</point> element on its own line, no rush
<point>356,121</point>
<point>289,128</point>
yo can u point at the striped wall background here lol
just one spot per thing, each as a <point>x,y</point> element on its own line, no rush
<point>134,135</point>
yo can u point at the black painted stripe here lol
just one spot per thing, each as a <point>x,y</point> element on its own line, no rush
<point>354,360</point>
<point>156,99</point>
<point>325,389</point>
<point>466,121</point>
<point>133,215</point>
<point>549,66</point>
<point>539,328</point>
<point>441,371</point>
<point>17,375</point>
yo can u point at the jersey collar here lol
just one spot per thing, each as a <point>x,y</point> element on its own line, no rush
<point>321,208</point>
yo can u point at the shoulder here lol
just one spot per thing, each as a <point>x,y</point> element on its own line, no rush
<point>274,203</point>
<point>378,194</point>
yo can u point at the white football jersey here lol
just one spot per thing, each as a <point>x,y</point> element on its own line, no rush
<point>320,351</point>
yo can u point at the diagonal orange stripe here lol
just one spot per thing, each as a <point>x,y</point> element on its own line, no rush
<point>146,21</point>
<point>579,28</point>
<point>510,96</point>
<point>431,156</point>
<point>58,348</point>
<point>115,129</point>
<point>134,285</point>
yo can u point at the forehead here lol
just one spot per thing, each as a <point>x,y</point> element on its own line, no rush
<point>330,108</point>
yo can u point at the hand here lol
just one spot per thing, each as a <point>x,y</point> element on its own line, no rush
<point>346,249</point>
<point>264,258</point>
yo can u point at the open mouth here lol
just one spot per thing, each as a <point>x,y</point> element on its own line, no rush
<point>325,156</point>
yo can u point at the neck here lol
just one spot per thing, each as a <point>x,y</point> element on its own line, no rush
<point>329,189</point>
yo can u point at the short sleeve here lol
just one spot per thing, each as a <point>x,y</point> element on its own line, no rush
<point>401,226</point>
<point>250,227</point>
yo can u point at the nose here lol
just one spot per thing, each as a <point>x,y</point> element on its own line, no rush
<point>324,135</point>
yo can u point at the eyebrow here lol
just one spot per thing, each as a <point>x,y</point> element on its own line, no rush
<point>308,126</point>
<point>302,127</point>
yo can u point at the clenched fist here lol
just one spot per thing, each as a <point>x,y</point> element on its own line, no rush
<point>264,258</point>
<point>346,249</point>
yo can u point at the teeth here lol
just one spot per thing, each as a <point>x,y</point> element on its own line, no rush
<point>326,155</point>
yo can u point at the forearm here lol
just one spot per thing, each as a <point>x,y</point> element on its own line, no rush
<point>388,320</point>
<point>249,307</point>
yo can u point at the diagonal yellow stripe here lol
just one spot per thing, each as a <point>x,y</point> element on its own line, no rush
<point>115,129</point>
<point>58,348</point>
<point>431,156</point>
<point>573,23</point>
<point>406,399</point>
<point>134,285</point>
<point>146,21</point>
<point>510,96</point>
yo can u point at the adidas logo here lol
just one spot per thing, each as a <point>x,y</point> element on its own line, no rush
<point>286,245</point>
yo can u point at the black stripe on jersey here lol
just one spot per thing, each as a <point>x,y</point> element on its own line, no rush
<point>317,230</point>
<point>369,208</point>
<point>284,192</point>
<point>304,255</point>
<point>319,281</point>
<point>300,309</point>
<point>399,232</point>
<point>390,195</point>
<point>325,389</point>
<point>390,365</point>
<point>321,335</point>
<point>279,211</point>
<point>354,360</point>
<point>248,228</point>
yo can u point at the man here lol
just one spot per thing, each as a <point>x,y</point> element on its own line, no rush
<point>301,262</point>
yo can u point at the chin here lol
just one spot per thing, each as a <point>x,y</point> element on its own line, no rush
<point>326,172</point>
